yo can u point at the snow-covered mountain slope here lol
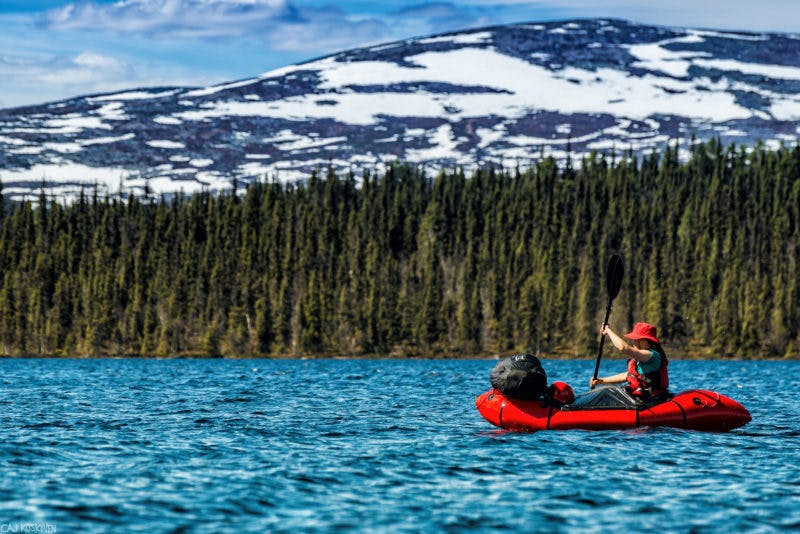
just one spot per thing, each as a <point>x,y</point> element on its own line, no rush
<point>506,94</point>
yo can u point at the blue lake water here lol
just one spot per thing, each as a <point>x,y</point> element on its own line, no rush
<point>373,446</point>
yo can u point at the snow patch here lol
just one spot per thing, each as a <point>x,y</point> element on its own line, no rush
<point>304,143</point>
<point>468,38</point>
<point>204,162</point>
<point>131,95</point>
<point>771,71</point>
<point>167,120</point>
<point>68,171</point>
<point>563,129</point>
<point>443,147</point>
<point>63,148</point>
<point>163,143</point>
<point>282,137</point>
<point>653,56</point>
<point>490,136</point>
<point>75,123</point>
<point>113,112</point>
<point>787,109</point>
<point>105,140</point>
<point>214,89</point>
<point>730,35</point>
<point>12,141</point>
<point>27,150</point>
<point>571,90</point>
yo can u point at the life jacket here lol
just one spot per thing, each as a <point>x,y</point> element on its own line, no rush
<point>651,384</point>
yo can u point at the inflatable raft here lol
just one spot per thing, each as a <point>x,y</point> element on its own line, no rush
<point>612,408</point>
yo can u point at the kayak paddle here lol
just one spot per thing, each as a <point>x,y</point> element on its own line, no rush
<point>613,283</point>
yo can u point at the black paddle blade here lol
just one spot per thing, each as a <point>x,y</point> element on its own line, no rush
<point>614,276</point>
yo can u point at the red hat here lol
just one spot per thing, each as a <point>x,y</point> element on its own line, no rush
<point>644,331</point>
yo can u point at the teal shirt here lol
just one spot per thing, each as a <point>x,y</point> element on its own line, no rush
<point>650,365</point>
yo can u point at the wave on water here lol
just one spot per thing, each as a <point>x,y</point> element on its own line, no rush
<point>369,445</point>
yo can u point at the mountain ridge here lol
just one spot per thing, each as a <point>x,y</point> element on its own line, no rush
<point>502,95</point>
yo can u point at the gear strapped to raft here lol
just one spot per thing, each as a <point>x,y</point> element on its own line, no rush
<point>520,376</point>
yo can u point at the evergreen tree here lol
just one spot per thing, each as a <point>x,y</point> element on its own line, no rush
<point>498,260</point>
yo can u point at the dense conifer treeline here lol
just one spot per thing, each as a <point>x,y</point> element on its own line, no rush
<point>408,264</point>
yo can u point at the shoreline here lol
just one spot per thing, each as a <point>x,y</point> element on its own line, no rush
<point>680,356</point>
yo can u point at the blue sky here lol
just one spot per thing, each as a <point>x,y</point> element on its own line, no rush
<point>55,49</point>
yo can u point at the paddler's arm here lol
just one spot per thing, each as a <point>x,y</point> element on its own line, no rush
<point>613,379</point>
<point>640,355</point>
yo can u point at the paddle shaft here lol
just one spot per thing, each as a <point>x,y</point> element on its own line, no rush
<point>613,283</point>
<point>602,341</point>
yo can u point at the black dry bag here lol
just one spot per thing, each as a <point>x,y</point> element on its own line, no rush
<point>520,376</point>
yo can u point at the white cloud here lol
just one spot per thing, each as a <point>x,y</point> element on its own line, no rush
<point>31,79</point>
<point>279,23</point>
<point>197,18</point>
<point>85,69</point>
<point>766,15</point>
<point>326,32</point>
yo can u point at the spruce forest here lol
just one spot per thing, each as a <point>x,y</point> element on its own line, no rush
<point>408,263</point>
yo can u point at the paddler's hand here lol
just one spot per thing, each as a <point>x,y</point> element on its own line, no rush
<point>604,329</point>
<point>594,381</point>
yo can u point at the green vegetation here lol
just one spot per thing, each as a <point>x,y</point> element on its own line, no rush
<point>408,264</point>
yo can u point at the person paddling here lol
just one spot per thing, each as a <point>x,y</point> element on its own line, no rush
<point>647,374</point>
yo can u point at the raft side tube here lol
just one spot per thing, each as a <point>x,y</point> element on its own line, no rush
<point>711,411</point>
<point>490,405</point>
<point>594,419</point>
<point>513,414</point>
<point>695,409</point>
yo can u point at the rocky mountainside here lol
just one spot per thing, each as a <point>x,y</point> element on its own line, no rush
<point>507,95</point>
